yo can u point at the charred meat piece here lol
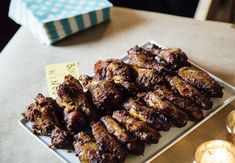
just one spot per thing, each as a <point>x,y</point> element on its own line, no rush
<point>75,120</point>
<point>178,117</point>
<point>71,94</point>
<point>149,115</point>
<point>136,127</point>
<point>174,56</point>
<point>88,151</point>
<point>107,143</point>
<point>146,79</point>
<point>186,90</point>
<point>77,108</point>
<point>194,111</point>
<point>132,144</point>
<point>45,114</point>
<point>60,139</point>
<point>139,57</point>
<point>42,126</point>
<point>201,80</point>
<point>104,94</point>
<point>115,70</point>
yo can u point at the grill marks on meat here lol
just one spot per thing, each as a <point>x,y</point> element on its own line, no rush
<point>139,57</point>
<point>152,99</point>
<point>186,90</point>
<point>107,143</point>
<point>194,111</point>
<point>146,79</point>
<point>149,115</point>
<point>132,144</point>
<point>201,80</point>
<point>136,127</point>
<point>88,151</point>
<point>104,93</point>
<point>115,70</point>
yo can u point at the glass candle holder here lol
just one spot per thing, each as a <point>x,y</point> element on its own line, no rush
<point>215,151</point>
<point>230,125</point>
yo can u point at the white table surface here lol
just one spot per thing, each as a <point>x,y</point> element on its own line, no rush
<point>22,71</point>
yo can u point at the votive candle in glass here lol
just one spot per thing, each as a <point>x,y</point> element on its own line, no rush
<point>230,125</point>
<point>215,151</point>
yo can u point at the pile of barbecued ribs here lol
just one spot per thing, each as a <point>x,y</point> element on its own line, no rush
<point>124,105</point>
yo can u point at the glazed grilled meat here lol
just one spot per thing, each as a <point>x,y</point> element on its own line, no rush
<point>173,57</point>
<point>71,93</point>
<point>104,94</point>
<point>146,79</point>
<point>178,117</point>
<point>77,109</point>
<point>88,150</point>
<point>133,145</point>
<point>60,139</point>
<point>186,90</point>
<point>194,111</point>
<point>201,80</point>
<point>139,57</point>
<point>74,119</point>
<point>116,70</point>
<point>136,127</point>
<point>149,115</point>
<point>107,143</point>
<point>45,114</point>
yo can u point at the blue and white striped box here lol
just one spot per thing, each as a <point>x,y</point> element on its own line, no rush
<point>53,20</point>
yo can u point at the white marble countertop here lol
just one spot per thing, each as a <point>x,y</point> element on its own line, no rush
<point>22,71</point>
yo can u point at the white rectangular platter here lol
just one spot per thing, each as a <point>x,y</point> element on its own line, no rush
<point>167,139</point>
